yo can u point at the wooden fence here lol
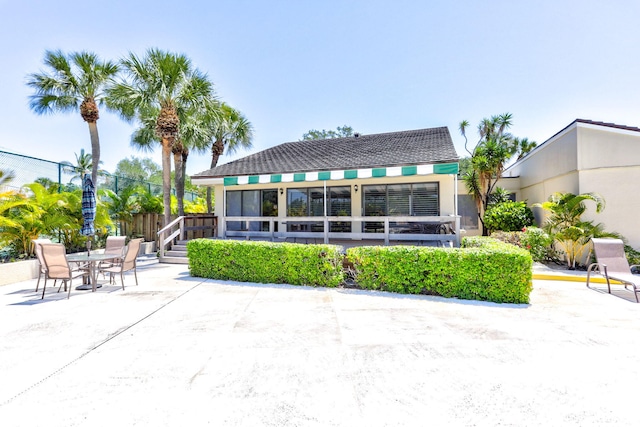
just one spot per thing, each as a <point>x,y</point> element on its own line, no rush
<point>148,225</point>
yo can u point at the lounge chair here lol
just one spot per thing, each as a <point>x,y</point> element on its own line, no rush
<point>611,262</point>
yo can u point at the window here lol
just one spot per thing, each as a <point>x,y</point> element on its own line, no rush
<point>251,203</point>
<point>310,202</point>
<point>420,199</point>
<point>468,212</point>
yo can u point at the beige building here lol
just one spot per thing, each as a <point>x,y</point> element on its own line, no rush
<point>391,187</point>
<point>586,157</point>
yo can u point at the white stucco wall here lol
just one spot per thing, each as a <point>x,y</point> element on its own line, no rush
<point>588,158</point>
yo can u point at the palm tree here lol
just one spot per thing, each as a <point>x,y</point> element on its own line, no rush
<point>233,131</point>
<point>160,87</point>
<point>74,82</point>
<point>488,159</point>
<point>84,165</point>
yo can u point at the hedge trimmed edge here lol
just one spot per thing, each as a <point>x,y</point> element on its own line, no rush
<point>483,269</point>
<point>266,262</point>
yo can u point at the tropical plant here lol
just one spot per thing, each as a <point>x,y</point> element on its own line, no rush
<point>565,225</point>
<point>149,203</point>
<point>232,132</point>
<point>159,88</point>
<point>73,82</point>
<point>198,205</point>
<point>121,206</point>
<point>499,195</point>
<point>488,159</point>
<point>39,212</point>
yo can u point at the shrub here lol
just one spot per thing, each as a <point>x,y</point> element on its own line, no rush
<point>508,216</point>
<point>512,237</point>
<point>265,262</point>
<point>485,269</point>
<point>538,243</point>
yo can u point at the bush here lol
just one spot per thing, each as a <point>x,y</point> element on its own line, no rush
<point>265,262</point>
<point>485,269</point>
<point>538,243</point>
<point>508,216</point>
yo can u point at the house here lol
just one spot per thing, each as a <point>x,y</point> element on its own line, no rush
<point>586,157</point>
<point>397,186</point>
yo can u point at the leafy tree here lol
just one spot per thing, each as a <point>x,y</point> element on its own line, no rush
<point>160,87</point>
<point>73,82</point>
<point>488,159</point>
<point>142,170</point>
<point>340,132</point>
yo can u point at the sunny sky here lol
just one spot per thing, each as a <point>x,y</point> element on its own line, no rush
<point>378,66</point>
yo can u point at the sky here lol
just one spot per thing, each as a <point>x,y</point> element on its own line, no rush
<point>377,66</point>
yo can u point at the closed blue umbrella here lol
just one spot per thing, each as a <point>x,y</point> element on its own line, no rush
<point>88,206</point>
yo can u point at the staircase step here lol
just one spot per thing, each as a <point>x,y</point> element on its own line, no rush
<point>172,253</point>
<point>179,248</point>
<point>174,260</point>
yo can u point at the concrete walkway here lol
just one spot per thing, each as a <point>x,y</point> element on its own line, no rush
<point>183,351</point>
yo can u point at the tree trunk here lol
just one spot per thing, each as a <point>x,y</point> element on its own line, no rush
<point>95,151</point>
<point>166,178</point>
<point>179,179</point>
<point>217,149</point>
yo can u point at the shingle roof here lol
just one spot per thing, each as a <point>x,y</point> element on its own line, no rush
<point>412,147</point>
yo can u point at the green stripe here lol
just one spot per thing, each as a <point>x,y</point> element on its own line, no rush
<point>350,174</point>
<point>379,173</point>
<point>409,170</point>
<point>446,168</point>
<point>276,178</point>
<point>299,177</point>
<point>231,181</point>
<point>254,179</point>
<point>324,176</point>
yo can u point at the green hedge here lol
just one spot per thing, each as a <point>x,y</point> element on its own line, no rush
<point>484,269</point>
<point>265,262</point>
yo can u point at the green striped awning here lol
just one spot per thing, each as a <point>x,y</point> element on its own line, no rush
<point>440,168</point>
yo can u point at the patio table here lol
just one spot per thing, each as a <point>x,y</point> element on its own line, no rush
<point>92,259</point>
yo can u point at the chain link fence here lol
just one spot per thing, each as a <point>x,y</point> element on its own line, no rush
<point>26,169</point>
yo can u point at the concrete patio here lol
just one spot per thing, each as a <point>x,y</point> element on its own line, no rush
<point>178,351</point>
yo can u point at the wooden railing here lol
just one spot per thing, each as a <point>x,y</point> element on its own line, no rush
<point>185,228</point>
<point>388,228</point>
<point>166,236</point>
